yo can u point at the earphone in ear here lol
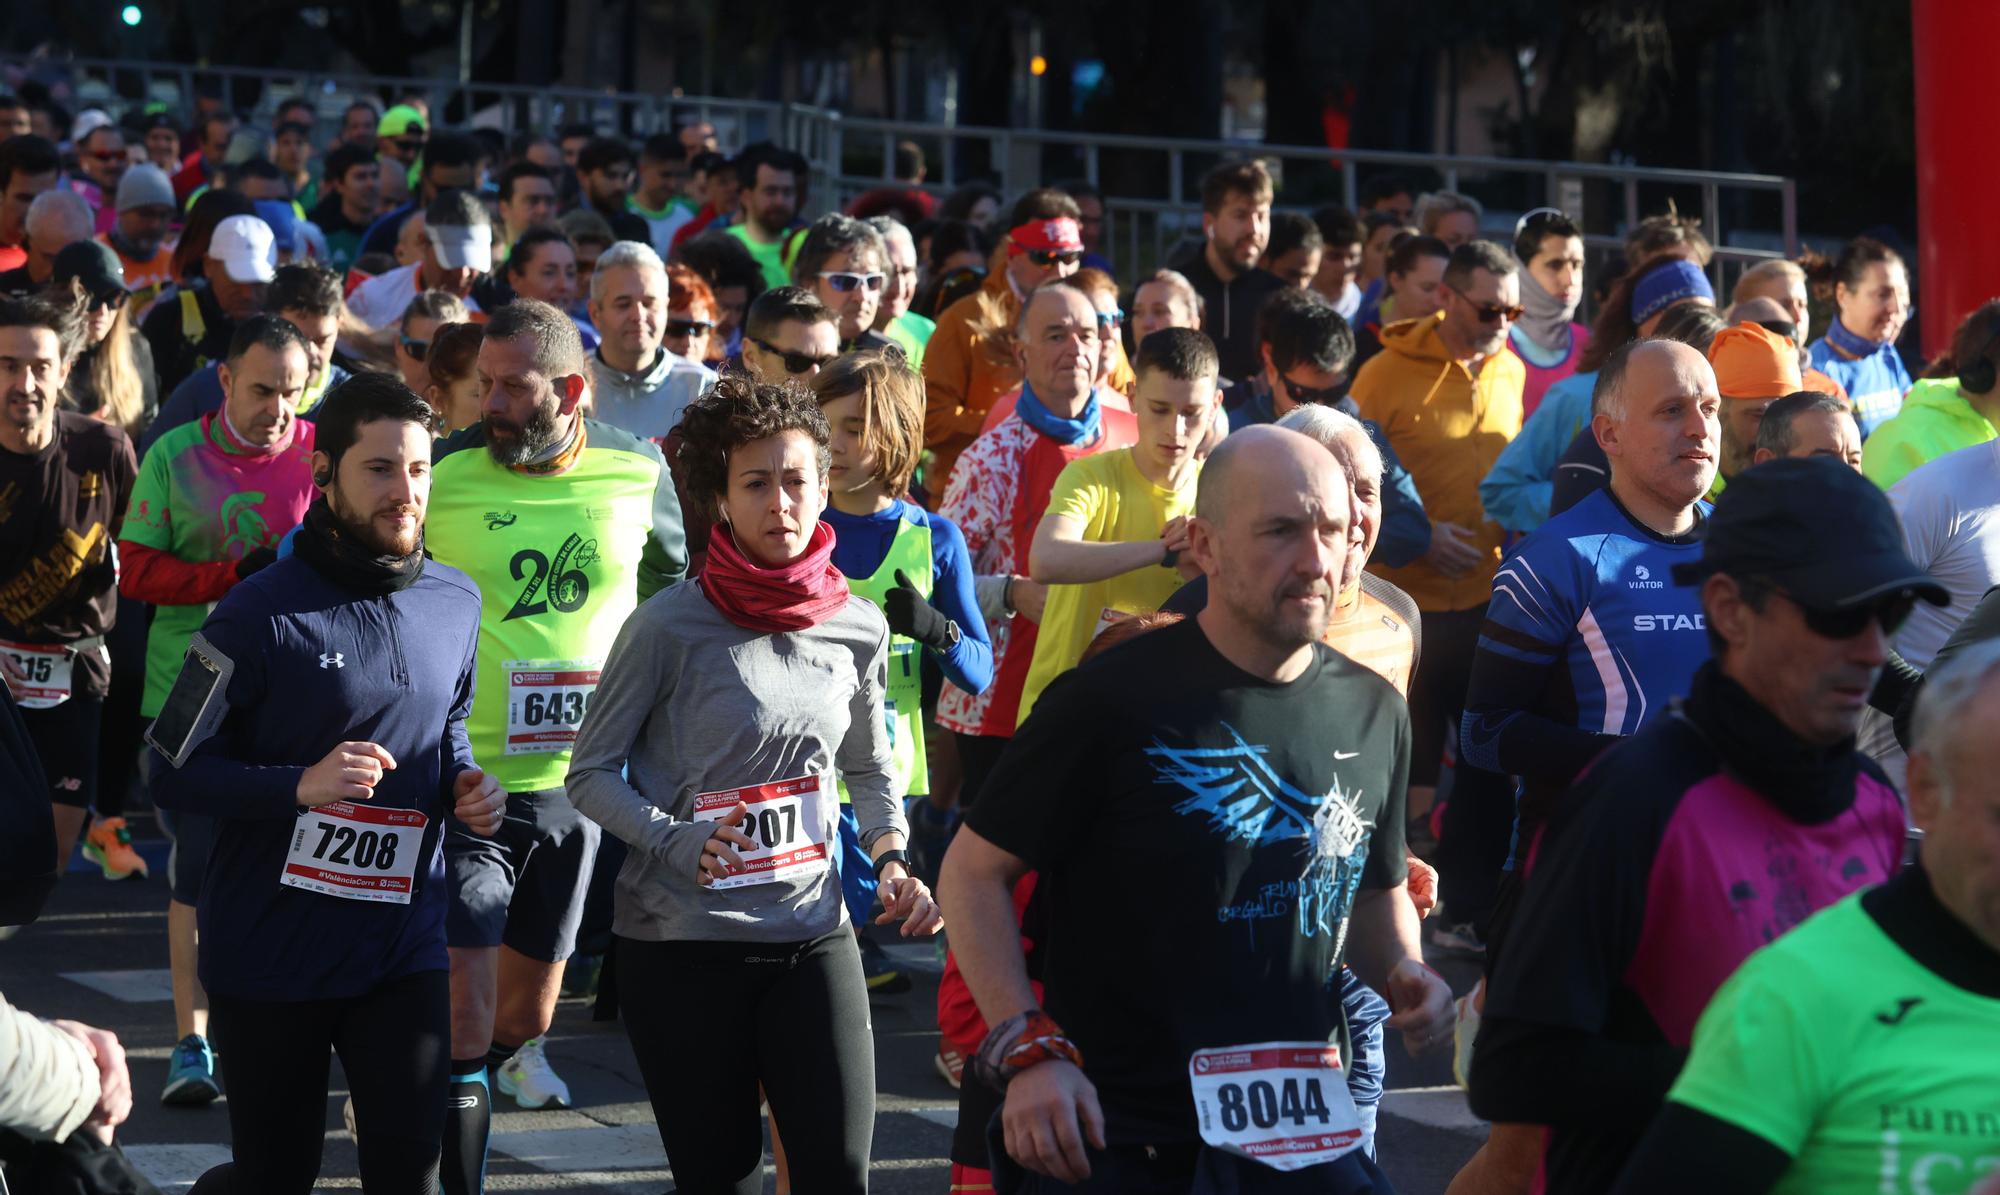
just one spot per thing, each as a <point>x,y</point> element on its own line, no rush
<point>322,478</point>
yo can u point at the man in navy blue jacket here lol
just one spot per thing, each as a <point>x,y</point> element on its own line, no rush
<point>341,754</point>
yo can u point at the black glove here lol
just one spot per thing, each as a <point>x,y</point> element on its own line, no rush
<point>253,561</point>
<point>912,617</point>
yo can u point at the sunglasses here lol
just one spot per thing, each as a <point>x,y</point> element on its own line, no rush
<point>845,281</point>
<point>415,348</point>
<point>1846,624</point>
<point>409,145</point>
<point>1324,396</point>
<point>1488,312</point>
<point>108,299</point>
<point>1110,321</point>
<point>108,155</point>
<point>1048,257</point>
<point>795,363</point>
<point>681,329</point>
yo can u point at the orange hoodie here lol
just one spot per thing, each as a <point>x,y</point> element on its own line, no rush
<point>1448,425</point>
<point>968,363</point>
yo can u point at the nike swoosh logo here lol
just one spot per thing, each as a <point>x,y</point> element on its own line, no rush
<point>1345,754</point>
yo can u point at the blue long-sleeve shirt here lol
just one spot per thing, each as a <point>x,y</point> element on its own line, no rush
<point>861,543</point>
<point>316,665</point>
<point>1516,492</point>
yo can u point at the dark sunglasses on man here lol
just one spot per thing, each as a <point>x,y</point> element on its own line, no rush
<point>1324,396</point>
<point>1487,312</point>
<point>1045,258</point>
<point>681,329</point>
<point>795,362</point>
<point>1845,623</point>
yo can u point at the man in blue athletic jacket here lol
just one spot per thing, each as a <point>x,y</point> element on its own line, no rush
<point>319,718</point>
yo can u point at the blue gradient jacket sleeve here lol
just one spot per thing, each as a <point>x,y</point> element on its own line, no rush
<point>1516,492</point>
<point>1406,529</point>
<point>969,664</point>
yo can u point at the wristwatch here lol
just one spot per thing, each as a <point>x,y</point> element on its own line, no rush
<point>951,633</point>
<point>887,857</point>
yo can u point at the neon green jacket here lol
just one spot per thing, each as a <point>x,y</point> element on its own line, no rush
<point>1935,419</point>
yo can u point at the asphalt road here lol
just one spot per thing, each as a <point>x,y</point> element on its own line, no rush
<point>99,955</point>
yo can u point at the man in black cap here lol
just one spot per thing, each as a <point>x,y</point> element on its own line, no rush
<point>1713,830</point>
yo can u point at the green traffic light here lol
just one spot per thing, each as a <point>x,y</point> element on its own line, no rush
<point>131,15</point>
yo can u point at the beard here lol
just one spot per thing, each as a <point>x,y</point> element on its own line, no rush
<point>363,530</point>
<point>519,443</point>
<point>1273,617</point>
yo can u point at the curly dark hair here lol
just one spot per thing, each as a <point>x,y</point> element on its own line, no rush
<point>741,410</point>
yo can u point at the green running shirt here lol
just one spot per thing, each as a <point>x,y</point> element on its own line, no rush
<point>1872,1071</point>
<point>560,559</point>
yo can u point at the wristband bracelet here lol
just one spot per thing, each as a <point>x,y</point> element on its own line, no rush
<point>887,857</point>
<point>1171,559</point>
<point>1018,1043</point>
<point>1007,594</point>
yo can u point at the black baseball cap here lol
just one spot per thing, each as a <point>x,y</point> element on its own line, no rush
<point>93,264</point>
<point>1815,528</point>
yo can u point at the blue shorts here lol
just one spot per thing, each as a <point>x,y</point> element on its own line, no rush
<point>1365,1011</point>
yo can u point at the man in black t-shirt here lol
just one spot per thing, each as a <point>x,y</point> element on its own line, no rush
<point>1227,796</point>
<point>65,480</point>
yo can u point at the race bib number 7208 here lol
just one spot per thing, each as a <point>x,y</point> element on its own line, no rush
<point>1282,1103</point>
<point>356,852</point>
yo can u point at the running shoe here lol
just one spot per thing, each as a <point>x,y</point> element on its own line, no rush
<point>580,975</point>
<point>1460,939</point>
<point>884,979</point>
<point>191,1073</point>
<point>949,1063</point>
<point>527,1077</point>
<point>109,845</point>
<point>347,1118</point>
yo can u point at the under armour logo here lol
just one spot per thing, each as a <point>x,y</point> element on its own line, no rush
<point>336,660</point>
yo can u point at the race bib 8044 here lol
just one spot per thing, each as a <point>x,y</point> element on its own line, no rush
<point>1282,1103</point>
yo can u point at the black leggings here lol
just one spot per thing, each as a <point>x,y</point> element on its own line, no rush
<point>709,1021</point>
<point>394,1045</point>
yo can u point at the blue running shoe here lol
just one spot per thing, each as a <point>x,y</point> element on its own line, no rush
<point>191,1074</point>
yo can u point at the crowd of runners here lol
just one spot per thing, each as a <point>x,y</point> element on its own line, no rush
<point>518,567</point>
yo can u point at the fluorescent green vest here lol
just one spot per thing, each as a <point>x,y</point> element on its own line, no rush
<point>903,703</point>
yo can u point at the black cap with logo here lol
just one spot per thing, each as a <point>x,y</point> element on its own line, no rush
<point>1815,528</point>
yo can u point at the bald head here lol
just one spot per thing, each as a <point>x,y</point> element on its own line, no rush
<point>58,219</point>
<point>1767,312</point>
<point>1636,375</point>
<point>1272,511</point>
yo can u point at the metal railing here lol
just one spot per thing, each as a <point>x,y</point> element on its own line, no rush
<point>1150,183</point>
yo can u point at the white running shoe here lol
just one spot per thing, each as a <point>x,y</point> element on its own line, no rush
<point>527,1077</point>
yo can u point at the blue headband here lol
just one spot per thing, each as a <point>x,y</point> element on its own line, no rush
<point>1666,284</point>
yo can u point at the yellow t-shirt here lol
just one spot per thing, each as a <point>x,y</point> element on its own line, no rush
<point>1115,503</point>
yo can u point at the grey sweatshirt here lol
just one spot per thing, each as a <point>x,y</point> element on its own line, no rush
<point>689,702</point>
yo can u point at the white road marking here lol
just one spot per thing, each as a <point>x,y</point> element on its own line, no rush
<point>1434,1107</point>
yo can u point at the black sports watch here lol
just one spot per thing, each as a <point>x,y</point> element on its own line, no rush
<point>887,857</point>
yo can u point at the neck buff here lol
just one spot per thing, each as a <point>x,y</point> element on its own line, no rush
<point>792,597</point>
<point>1851,344</point>
<point>1545,320</point>
<point>1063,430</point>
<point>341,558</point>
<point>1060,235</point>
<point>233,441</point>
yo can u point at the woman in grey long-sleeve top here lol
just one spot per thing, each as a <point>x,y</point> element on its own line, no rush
<point>726,714</point>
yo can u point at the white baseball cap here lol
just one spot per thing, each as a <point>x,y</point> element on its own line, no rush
<point>462,246</point>
<point>245,247</point>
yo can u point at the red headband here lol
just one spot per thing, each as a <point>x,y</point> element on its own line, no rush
<point>1059,235</point>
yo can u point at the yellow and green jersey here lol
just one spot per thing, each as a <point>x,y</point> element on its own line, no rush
<point>561,558</point>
